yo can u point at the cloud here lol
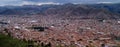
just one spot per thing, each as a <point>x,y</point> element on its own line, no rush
<point>10,2</point>
<point>37,3</point>
<point>62,1</point>
<point>77,1</point>
<point>40,2</point>
<point>105,2</point>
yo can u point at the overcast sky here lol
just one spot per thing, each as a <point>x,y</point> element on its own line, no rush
<point>40,2</point>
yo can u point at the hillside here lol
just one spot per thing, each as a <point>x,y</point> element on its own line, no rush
<point>92,11</point>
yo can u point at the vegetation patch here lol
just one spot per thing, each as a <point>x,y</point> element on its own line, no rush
<point>7,41</point>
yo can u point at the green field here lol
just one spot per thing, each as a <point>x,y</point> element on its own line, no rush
<point>6,41</point>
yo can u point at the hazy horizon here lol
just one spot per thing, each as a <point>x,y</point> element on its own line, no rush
<point>40,2</point>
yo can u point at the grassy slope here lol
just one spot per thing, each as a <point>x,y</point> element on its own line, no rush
<point>6,41</point>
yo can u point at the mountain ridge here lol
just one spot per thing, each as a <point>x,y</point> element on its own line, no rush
<point>101,11</point>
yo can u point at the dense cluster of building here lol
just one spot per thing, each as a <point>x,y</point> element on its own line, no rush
<point>60,31</point>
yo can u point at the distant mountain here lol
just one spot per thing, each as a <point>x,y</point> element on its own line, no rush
<point>92,11</point>
<point>115,8</point>
<point>96,11</point>
<point>23,10</point>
